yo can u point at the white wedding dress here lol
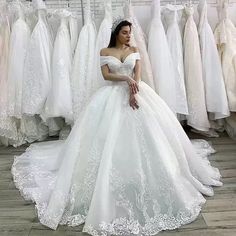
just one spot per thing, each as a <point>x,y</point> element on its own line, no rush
<point>197,117</point>
<point>102,41</point>
<point>161,59</point>
<point>83,64</point>
<point>8,128</point>
<point>175,43</point>
<point>19,40</point>
<point>59,99</point>
<point>225,36</point>
<point>120,171</point>
<point>215,93</point>
<point>74,31</point>
<point>37,69</point>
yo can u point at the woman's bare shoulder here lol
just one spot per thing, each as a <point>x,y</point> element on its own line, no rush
<point>134,49</point>
<point>105,52</point>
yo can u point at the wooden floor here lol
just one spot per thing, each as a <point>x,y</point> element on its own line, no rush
<point>218,217</point>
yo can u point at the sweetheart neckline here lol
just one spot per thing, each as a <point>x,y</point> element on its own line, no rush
<point>119,59</point>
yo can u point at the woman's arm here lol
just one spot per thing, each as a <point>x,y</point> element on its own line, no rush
<point>137,71</point>
<point>107,75</point>
<point>137,68</point>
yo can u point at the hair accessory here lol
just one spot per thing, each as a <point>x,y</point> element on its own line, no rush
<point>116,22</point>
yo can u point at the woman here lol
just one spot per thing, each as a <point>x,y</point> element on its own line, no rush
<point>127,167</point>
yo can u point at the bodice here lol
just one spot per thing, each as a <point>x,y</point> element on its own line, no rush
<point>172,14</point>
<point>118,67</point>
<point>189,11</point>
<point>42,15</point>
<point>202,10</point>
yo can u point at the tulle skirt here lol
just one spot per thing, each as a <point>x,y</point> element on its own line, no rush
<point>120,171</point>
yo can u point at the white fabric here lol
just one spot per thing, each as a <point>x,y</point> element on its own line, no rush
<point>174,38</point>
<point>32,129</point>
<point>102,41</point>
<point>225,35</point>
<point>197,117</point>
<point>161,59</point>
<point>7,124</point>
<point>215,93</point>
<point>138,40</point>
<point>83,65</point>
<point>74,32</point>
<point>20,35</point>
<point>59,100</point>
<point>37,69</point>
<point>120,171</point>
<point>39,4</point>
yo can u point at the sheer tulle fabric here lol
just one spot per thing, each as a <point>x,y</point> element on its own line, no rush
<point>59,99</point>
<point>83,63</point>
<point>225,36</point>
<point>161,59</point>
<point>197,117</point>
<point>19,39</point>
<point>120,171</point>
<point>212,71</point>
<point>172,16</point>
<point>37,69</point>
<point>7,124</point>
<point>102,41</point>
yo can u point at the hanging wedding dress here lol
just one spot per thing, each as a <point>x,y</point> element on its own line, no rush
<point>37,70</point>
<point>225,36</point>
<point>197,117</point>
<point>161,60</point>
<point>83,64</point>
<point>102,41</point>
<point>20,35</point>
<point>74,31</point>
<point>8,128</point>
<point>138,40</point>
<point>215,93</point>
<point>37,77</point>
<point>59,99</point>
<point>175,43</point>
<point>120,171</point>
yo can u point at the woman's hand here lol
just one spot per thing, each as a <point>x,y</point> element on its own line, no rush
<point>133,85</point>
<point>133,102</point>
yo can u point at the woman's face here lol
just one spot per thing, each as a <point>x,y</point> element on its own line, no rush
<point>124,35</point>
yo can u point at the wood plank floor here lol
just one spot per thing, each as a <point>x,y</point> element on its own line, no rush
<point>218,217</point>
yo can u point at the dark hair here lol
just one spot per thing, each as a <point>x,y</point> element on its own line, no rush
<point>112,42</point>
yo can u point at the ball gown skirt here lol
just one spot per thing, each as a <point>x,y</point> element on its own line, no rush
<point>120,171</point>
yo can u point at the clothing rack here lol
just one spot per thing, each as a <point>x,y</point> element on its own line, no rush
<point>96,9</point>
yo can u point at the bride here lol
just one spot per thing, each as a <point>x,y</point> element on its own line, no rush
<point>127,167</point>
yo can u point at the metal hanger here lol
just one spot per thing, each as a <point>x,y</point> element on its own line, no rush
<point>82,10</point>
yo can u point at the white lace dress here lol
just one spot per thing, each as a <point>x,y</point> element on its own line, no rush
<point>215,93</point>
<point>74,31</point>
<point>161,59</point>
<point>138,39</point>
<point>114,173</point>
<point>37,69</point>
<point>225,36</point>
<point>172,16</point>
<point>19,40</point>
<point>102,41</point>
<point>8,128</point>
<point>83,65</point>
<point>59,99</point>
<point>197,117</point>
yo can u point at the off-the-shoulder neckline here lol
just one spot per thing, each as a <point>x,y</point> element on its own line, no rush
<point>119,59</point>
